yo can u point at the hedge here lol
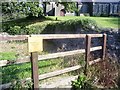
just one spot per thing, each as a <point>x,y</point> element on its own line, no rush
<point>48,26</point>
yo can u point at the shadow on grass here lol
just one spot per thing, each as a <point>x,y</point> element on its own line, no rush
<point>9,74</point>
<point>114,20</point>
<point>30,20</point>
<point>17,72</point>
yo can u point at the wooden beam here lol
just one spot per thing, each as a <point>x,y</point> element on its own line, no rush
<point>13,37</point>
<point>59,36</point>
<point>17,61</point>
<point>95,35</point>
<point>63,36</point>
<point>60,54</point>
<point>46,36</point>
<point>23,60</point>
<point>45,57</point>
<point>35,42</point>
<point>59,72</point>
<point>87,53</point>
<point>47,75</point>
<point>67,53</point>
<point>43,76</point>
<point>34,56</point>
<point>94,61</point>
<point>104,46</point>
<point>55,73</point>
<point>34,69</point>
<point>95,48</point>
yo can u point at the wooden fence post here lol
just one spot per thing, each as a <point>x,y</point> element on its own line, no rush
<point>104,46</point>
<point>87,53</point>
<point>34,68</point>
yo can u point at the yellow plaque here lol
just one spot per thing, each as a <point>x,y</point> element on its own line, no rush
<point>35,44</point>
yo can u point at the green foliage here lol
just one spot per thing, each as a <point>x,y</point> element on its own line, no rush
<point>7,56</point>
<point>80,82</point>
<point>15,10</point>
<point>37,28</point>
<point>32,9</point>
<point>14,30</point>
<point>18,26</point>
<point>70,6</point>
<point>71,26</point>
<point>20,85</point>
<point>49,27</point>
<point>22,71</point>
<point>89,24</point>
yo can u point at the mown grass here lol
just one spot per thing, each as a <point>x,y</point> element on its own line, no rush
<point>105,22</point>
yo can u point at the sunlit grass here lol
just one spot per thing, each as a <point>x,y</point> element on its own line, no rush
<point>107,22</point>
<point>22,71</point>
<point>7,56</point>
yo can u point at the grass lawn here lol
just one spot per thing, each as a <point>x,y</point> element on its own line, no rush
<point>107,22</point>
<point>21,71</point>
<point>7,56</point>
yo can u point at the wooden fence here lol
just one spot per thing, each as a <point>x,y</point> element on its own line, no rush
<point>13,38</point>
<point>34,57</point>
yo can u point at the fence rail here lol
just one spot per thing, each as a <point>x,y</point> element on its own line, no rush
<point>87,51</point>
<point>45,57</point>
<point>65,36</point>
<point>13,37</point>
<point>45,36</point>
<point>34,58</point>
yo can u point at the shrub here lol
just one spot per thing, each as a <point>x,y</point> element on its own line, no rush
<point>19,85</point>
<point>80,82</point>
<point>83,83</point>
<point>49,27</point>
<point>14,30</point>
<point>32,9</point>
<point>16,10</point>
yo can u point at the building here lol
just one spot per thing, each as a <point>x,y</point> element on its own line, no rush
<point>91,7</point>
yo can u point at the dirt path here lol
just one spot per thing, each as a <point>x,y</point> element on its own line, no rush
<point>63,82</point>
